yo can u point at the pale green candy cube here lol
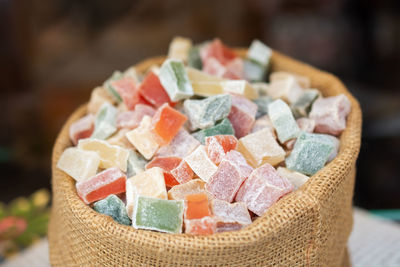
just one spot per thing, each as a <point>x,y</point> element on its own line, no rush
<point>136,164</point>
<point>262,105</point>
<point>158,214</point>
<point>105,122</point>
<point>282,118</point>
<point>259,52</point>
<point>253,71</point>
<point>194,59</point>
<point>175,80</point>
<point>222,128</point>
<point>110,89</point>
<point>310,153</point>
<point>302,106</point>
<point>204,113</point>
<point>113,207</point>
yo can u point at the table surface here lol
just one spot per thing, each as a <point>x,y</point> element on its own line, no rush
<point>373,242</point>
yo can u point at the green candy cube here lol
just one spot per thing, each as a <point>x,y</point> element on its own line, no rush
<point>105,122</point>
<point>310,153</point>
<point>114,207</point>
<point>204,113</point>
<point>302,106</point>
<point>194,59</point>
<point>136,164</point>
<point>259,53</point>
<point>175,80</point>
<point>158,214</point>
<point>110,89</point>
<point>254,71</point>
<point>282,118</point>
<point>262,105</point>
<point>222,128</point>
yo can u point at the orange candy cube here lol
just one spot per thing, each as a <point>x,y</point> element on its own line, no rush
<point>218,145</point>
<point>197,206</point>
<point>203,226</point>
<point>176,171</point>
<point>167,122</point>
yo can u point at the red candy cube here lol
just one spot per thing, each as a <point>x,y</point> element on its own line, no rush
<point>152,90</point>
<point>218,145</point>
<point>167,122</point>
<point>242,115</point>
<point>82,128</point>
<point>100,186</point>
<point>176,171</point>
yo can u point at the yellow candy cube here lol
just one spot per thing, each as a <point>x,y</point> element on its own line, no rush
<point>98,97</point>
<point>240,87</point>
<point>204,84</point>
<point>149,183</point>
<point>79,164</point>
<point>303,81</point>
<point>296,178</point>
<point>261,147</point>
<point>110,155</point>
<point>287,89</point>
<point>200,163</point>
<point>179,48</point>
<point>143,139</point>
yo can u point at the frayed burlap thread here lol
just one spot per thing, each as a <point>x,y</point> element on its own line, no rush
<point>309,227</point>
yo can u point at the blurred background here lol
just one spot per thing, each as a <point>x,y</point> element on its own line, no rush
<point>54,52</point>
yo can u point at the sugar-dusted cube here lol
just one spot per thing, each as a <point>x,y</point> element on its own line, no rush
<point>158,214</point>
<point>230,213</point>
<point>105,122</point>
<point>203,226</point>
<point>131,72</point>
<point>79,164</point>
<point>286,89</point>
<point>225,182</point>
<point>303,81</point>
<point>176,171</point>
<point>114,207</point>
<point>167,122</point>
<point>239,162</point>
<point>204,113</point>
<point>263,188</point>
<point>242,115</point>
<point>136,163</point>
<point>175,80</point>
<point>127,90</point>
<point>197,206</point>
<point>110,88</point>
<point>179,192</point>
<point>296,178</point>
<point>148,183</point>
<point>194,59</point>
<point>213,67</point>
<point>180,146</point>
<point>310,153</point>
<point>132,119</point>
<point>119,139</point>
<point>110,155</point>
<point>201,164</point>
<point>143,139</point>
<point>98,97</point>
<point>263,122</point>
<point>204,84</point>
<point>261,147</point>
<point>306,124</point>
<point>240,87</point>
<point>303,104</point>
<point>282,118</point>
<point>179,48</point>
<point>100,186</point>
<point>234,69</point>
<point>152,90</point>
<point>259,52</point>
<point>217,50</point>
<point>223,128</point>
<point>262,105</point>
<point>253,71</point>
<point>82,128</point>
<point>330,114</point>
<point>218,145</point>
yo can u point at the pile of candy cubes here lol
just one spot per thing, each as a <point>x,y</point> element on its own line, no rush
<point>201,144</point>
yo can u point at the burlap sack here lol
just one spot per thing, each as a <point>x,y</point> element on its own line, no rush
<point>309,227</point>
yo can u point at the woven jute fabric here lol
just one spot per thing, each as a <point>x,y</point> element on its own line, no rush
<point>308,227</point>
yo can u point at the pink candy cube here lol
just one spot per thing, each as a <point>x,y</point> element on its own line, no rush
<point>236,159</point>
<point>263,188</point>
<point>218,145</point>
<point>132,119</point>
<point>126,88</point>
<point>180,146</point>
<point>330,114</point>
<point>82,128</point>
<point>103,184</point>
<point>242,115</point>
